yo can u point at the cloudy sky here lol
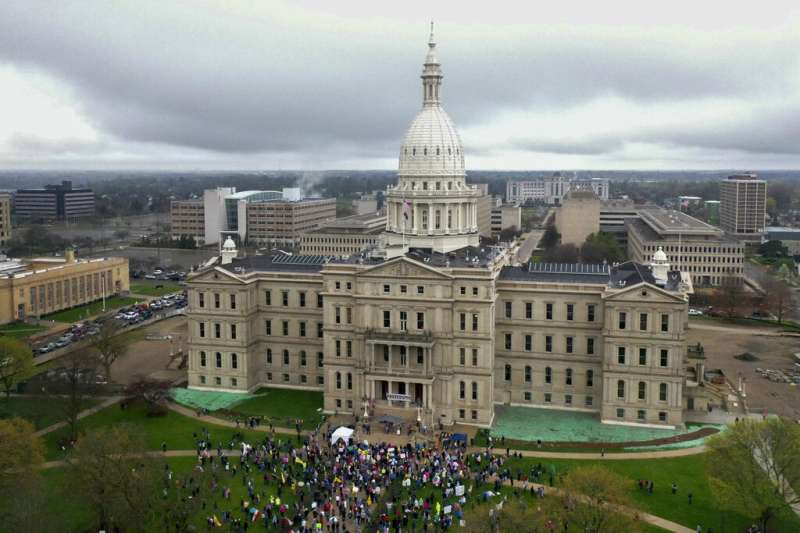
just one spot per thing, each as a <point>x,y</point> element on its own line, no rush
<point>305,84</point>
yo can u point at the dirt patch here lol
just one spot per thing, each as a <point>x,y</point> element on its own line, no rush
<point>151,358</point>
<point>721,348</point>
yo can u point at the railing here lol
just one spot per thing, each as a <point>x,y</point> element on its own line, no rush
<point>408,335</point>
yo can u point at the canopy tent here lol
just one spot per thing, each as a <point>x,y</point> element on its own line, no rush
<point>342,433</point>
<point>456,437</point>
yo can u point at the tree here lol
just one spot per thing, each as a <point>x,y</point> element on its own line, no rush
<point>593,497</point>
<point>730,298</point>
<point>753,466</point>
<point>563,253</point>
<point>110,472</point>
<point>74,382</point>
<point>550,238</point>
<point>601,247</point>
<point>109,345</point>
<point>16,363</point>
<point>509,234</point>
<point>21,491</point>
<point>773,249</point>
<point>776,299</point>
<point>513,515</point>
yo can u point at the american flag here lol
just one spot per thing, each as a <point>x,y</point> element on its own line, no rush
<point>406,208</point>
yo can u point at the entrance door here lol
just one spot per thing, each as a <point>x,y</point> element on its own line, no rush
<point>384,389</point>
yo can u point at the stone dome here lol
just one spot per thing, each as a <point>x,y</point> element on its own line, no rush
<point>432,146</point>
<point>229,244</point>
<point>659,256</point>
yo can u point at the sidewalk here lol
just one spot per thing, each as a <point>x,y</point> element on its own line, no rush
<point>655,454</point>
<point>191,413</point>
<point>83,414</point>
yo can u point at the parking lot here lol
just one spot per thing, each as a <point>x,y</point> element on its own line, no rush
<point>149,355</point>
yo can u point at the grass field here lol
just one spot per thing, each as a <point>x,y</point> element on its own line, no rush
<point>172,428</point>
<point>282,404</point>
<point>20,330</point>
<point>155,289</point>
<point>85,311</point>
<point>689,473</point>
<point>42,412</point>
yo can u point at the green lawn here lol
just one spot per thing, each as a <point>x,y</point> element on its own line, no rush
<point>85,311</point>
<point>282,404</point>
<point>42,412</point>
<point>173,428</point>
<point>155,289</point>
<point>20,330</point>
<point>689,473</point>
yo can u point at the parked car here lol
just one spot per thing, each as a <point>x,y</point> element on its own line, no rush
<point>695,312</point>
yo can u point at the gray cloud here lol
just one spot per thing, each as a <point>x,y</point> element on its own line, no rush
<point>268,81</point>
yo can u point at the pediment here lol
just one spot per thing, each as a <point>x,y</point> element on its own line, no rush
<point>403,267</point>
<point>214,275</point>
<point>643,292</point>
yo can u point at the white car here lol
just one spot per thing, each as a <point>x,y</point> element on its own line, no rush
<point>695,312</point>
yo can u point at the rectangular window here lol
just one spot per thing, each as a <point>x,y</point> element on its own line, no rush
<point>233,331</point>
<point>319,329</point>
<point>642,321</point>
<point>202,358</point>
<point>665,323</point>
<point>474,390</point>
<point>202,380</point>
<point>475,322</point>
<point>320,361</point>
<point>568,399</point>
<point>302,329</point>
<point>217,331</point>
<point>508,341</point>
<point>548,343</point>
<point>285,327</point>
<point>285,298</point>
<point>338,285</point>
<point>662,416</point>
<point>403,289</point>
<point>462,356</point>
<point>337,314</point>
<point>623,320</point>
<point>461,413</point>
<point>338,345</point>
<point>420,356</point>
<point>201,299</point>
<point>548,398</point>
<point>268,297</point>
<point>590,345</point>
<point>349,285</point>
<point>474,357</point>
<point>621,355</point>
<point>386,289</point>
<point>302,296</point>
<point>286,357</point>
<point>474,291</point>
<point>268,327</point>
<point>216,300</point>
<point>319,300</point>
<point>620,389</point>
<point>202,328</point>
<point>548,375</point>
<point>234,361</point>
<point>508,309</point>
<point>548,311</point>
<point>570,312</point>
<point>420,289</point>
<point>590,312</point>
<point>303,378</point>
<point>233,301</point>
<point>349,348</point>
<point>528,396</point>
<point>590,378</point>
<point>588,401</point>
<point>303,361</point>
<point>569,344</point>
<point>403,321</point>
<point>286,378</point>
<point>218,380</point>
<point>387,319</point>
<point>463,291</point>
<point>269,376</point>
<point>508,373</point>
<point>640,414</point>
<point>462,321</point>
<point>269,356</point>
<point>528,309</point>
<point>664,359</point>
<point>528,343</point>
<point>528,374</point>
<point>420,320</point>
<point>474,414</point>
<point>320,380</point>
<point>218,359</point>
<point>620,413</point>
<point>642,356</point>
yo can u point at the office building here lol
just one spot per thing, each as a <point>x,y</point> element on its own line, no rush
<point>54,202</point>
<point>743,206</point>
<point>38,287</point>
<point>697,249</point>
<point>578,216</point>
<point>187,218</point>
<point>5,218</point>
<point>552,189</point>
<point>344,237</point>
<point>506,216</point>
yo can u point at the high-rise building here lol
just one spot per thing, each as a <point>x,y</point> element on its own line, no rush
<point>743,205</point>
<point>578,216</point>
<point>5,218</point>
<point>54,202</point>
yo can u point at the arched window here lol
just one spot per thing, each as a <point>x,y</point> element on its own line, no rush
<point>462,389</point>
<point>338,380</point>
<point>662,392</point>
<point>620,389</point>
<point>569,377</point>
<point>642,390</point>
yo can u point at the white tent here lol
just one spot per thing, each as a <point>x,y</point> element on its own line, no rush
<point>343,433</point>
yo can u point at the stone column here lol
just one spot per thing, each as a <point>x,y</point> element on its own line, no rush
<point>430,219</point>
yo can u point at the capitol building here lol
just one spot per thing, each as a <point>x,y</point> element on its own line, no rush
<point>438,326</point>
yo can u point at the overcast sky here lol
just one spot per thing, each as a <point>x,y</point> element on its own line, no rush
<point>260,84</point>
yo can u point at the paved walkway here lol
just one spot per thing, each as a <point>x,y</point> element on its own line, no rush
<point>655,454</point>
<point>738,330</point>
<point>663,523</point>
<point>83,414</point>
<point>191,413</point>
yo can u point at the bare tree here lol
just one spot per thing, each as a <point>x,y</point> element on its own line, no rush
<point>109,345</point>
<point>730,298</point>
<point>73,383</point>
<point>777,299</point>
